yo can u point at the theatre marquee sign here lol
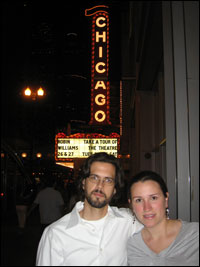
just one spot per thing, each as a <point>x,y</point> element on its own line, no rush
<point>84,145</point>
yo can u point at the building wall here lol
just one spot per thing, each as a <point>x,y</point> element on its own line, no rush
<point>181,58</point>
<point>164,106</point>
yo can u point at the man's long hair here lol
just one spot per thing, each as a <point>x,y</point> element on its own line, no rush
<point>102,157</point>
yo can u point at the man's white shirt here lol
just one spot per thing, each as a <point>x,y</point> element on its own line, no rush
<point>73,241</point>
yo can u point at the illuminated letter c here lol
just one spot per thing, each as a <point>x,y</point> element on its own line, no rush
<point>97,67</point>
<point>102,24</point>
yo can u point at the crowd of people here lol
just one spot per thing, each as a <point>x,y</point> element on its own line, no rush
<point>91,231</point>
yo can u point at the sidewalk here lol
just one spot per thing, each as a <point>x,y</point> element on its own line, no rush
<point>19,249</point>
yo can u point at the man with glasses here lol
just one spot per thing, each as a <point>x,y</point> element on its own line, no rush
<point>93,233</point>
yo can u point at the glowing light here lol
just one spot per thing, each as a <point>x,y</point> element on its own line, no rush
<point>100,100</point>
<point>98,36</point>
<point>27,91</point>
<point>98,69</point>
<point>102,114</point>
<point>94,10</point>
<point>100,86</point>
<point>66,164</point>
<point>34,93</point>
<point>40,92</point>
<point>100,25</point>
<point>82,145</point>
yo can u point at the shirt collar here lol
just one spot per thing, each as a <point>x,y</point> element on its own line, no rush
<point>76,219</point>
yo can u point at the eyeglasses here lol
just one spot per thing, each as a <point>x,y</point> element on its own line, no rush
<point>96,179</point>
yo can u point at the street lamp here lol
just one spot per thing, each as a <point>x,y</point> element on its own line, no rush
<point>24,154</point>
<point>39,155</point>
<point>40,92</point>
<point>27,92</point>
<point>34,93</point>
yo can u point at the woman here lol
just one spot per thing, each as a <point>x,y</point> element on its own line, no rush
<point>162,242</point>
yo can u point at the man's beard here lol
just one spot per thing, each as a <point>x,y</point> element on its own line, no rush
<point>97,203</point>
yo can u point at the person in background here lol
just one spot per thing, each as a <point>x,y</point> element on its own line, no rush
<point>162,241</point>
<point>24,197</point>
<point>50,201</point>
<point>93,233</point>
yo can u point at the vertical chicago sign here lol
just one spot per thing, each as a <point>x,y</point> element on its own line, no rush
<point>100,86</point>
<point>69,149</point>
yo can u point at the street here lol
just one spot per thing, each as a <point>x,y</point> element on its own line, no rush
<point>19,249</point>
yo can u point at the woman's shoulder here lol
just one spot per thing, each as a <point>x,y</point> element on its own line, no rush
<point>135,243</point>
<point>184,224</point>
<point>189,232</point>
<point>192,227</point>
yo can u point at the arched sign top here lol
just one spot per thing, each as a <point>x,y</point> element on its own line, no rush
<point>95,9</point>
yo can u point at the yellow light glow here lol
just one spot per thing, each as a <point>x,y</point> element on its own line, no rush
<point>100,84</point>
<point>98,36</point>
<point>27,92</point>
<point>102,114</point>
<point>24,155</point>
<point>100,100</point>
<point>66,164</point>
<point>100,25</point>
<point>40,92</point>
<point>39,155</point>
<point>83,147</point>
<point>97,67</point>
<point>100,66</point>
<point>100,51</point>
<point>95,9</point>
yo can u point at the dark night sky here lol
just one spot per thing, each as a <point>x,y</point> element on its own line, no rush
<point>47,43</point>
